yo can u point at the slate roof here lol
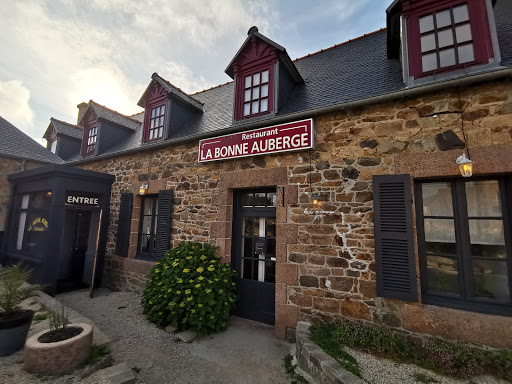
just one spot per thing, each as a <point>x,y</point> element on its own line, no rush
<point>113,116</point>
<point>67,129</point>
<point>17,144</point>
<point>347,72</point>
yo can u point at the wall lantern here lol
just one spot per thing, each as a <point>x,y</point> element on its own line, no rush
<point>143,189</point>
<point>465,166</point>
<point>315,199</point>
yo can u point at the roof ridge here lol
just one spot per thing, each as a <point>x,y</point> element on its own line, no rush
<point>303,57</point>
<point>65,122</point>
<point>209,89</point>
<point>343,43</point>
<point>111,110</point>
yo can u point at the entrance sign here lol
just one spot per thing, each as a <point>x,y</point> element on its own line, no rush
<point>82,200</point>
<point>278,138</point>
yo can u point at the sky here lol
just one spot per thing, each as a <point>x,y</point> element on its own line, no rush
<point>55,54</point>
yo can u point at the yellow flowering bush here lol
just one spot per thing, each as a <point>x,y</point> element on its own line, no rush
<point>191,289</point>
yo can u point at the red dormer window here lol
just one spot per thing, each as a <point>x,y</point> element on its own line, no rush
<point>92,135</point>
<point>447,35</point>
<point>156,123</point>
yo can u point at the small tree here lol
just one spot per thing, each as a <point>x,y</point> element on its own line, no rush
<point>14,288</point>
<point>190,288</point>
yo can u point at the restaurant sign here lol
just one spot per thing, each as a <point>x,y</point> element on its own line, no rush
<point>278,138</point>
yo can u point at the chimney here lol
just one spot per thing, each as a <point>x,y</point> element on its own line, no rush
<point>82,107</point>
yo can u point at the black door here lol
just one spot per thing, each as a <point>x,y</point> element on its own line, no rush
<point>254,254</point>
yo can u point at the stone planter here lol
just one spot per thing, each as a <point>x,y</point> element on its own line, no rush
<point>60,357</point>
<point>14,331</point>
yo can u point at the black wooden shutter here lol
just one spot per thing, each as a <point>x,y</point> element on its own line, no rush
<point>163,225</point>
<point>124,224</point>
<point>394,238</point>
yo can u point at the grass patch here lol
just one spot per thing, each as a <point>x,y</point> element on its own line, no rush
<point>39,317</point>
<point>444,357</point>
<point>425,379</point>
<point>95,355</point>
<point>289,367</point>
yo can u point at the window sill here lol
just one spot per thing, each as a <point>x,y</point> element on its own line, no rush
<point>146,258</point>
<point>472,306</point>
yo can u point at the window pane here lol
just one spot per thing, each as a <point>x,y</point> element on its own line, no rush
<point>264,76</point>
<point>255,106</point>
<point>429,62</point>
<point>271,199</point>
<point>160,132</point>
<point>247,95</point>
<point>248,269</point>
<point>247,109</point>
<point>162,110</point>
<point>247,200</point>
<point>247,81</point>
<point>445,38</point>
<point>255,79</point>
<point>441,249</point>
<point>488,251</point>
<point>483,198</point>
<point>443,18</point>
<point>151,134</point>
<point>460,13</point>
<point>248,226</point>
<point>490,279</point>
<point>259,223</point>
<point>270,272</point>
<point>466,53</point>
<point>41,200</point>
<point>146,225</point>
<point>439,230</point>
<point>447,57</point>
<point>24,201</point>
<point>264,90</point>
<point>157,113</point>
<point>426,23</point>
<point>21,229</point>
<point>270,230</point>
<point>437,199</point>
<point>153,113</point>
<point>271,249</point>
<point>161,121</point>
<point>256,93</point>
<point>463,33</point>
<point>486,232</point>
<point>152,124</point>
<point>148,206</point>
<point>145,243</point>
<point>442,274</point>
<point>428,42</point>
<point>259,199</point>
<point>264,105</point>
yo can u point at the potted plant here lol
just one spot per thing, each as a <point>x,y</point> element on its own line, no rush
<point>14,322</point>
<point>60,349</point>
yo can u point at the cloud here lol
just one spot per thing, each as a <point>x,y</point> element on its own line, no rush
<point>182,77</point>
<point>14,104</point>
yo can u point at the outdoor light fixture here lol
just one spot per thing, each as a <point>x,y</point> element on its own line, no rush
<point>143,189</point>
<point>315,199</point>
<point>465,166</point>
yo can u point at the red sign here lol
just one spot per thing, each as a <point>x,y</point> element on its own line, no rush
<point>278,138</point>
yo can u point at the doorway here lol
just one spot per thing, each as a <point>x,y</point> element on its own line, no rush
<point>253,253</point>
<point>78,248</point>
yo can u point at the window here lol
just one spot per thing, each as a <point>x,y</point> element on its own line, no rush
<point>91,139</point>
<point>256,93</point>
<point>32,211</point>
<point>156,123</point>
<point>148,223</point>
<point>53,146</point>
<point>446,38</point>
<point>464,244</point>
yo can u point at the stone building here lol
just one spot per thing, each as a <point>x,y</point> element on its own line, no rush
<point>331,182</point>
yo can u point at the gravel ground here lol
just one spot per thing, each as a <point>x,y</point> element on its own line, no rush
<point>160,359</point>
<point>384,371</point>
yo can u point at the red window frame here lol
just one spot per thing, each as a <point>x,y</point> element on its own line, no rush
<point>89,140</point>
<point>254,88</point>
<point>479,24</point>
<point>156,126</point>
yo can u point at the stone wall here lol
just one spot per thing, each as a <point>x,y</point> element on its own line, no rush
<point>326,263</point>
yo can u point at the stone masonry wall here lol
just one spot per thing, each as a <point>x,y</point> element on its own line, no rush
<point>326,263</point>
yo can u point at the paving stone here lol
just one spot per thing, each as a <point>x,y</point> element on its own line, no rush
<point>186,336</point>
<point>120,374</point>
<point>171,329</point>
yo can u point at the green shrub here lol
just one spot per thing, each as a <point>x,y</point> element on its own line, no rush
<point>190,288</point>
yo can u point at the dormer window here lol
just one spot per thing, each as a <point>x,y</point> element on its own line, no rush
<point>256,93</point>
<point>156,125</point>
<point>91,140</point>
<point>446,38</point>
